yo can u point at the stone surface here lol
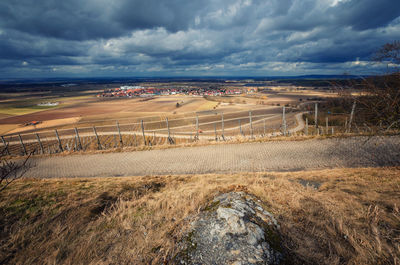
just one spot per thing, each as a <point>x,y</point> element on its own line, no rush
<point>232,229</point>
<point>227,158</point>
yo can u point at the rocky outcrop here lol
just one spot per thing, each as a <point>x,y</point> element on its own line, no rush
<point>232,229</point>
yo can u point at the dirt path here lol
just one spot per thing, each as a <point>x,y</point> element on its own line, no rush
<point>229,158</point>
<point>300,123</point>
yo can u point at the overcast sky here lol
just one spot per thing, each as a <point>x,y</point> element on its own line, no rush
<point>57,38</point>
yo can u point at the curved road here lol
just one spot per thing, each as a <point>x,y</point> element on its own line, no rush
<point>227,158</point>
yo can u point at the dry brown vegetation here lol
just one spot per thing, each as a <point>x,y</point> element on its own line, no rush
<point>352,218</point>
<point>376,105</point>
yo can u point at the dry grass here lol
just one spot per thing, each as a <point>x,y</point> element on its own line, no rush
<point>353,218</point>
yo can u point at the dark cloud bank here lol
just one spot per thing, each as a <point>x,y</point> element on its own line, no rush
<point>197,37</point>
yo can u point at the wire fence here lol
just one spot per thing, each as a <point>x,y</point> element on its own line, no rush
<point>208,126</point>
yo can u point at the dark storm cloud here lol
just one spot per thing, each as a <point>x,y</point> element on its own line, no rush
<point>132,36</point>
<point>367,14</point>
<point>91,19</point>
<point>173,15</point>
<point>72,19</point>
<point>17,45</point>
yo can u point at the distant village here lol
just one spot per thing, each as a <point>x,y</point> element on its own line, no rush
<point>140,91</point>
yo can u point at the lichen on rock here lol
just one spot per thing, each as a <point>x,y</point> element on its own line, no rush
<point>234,230</point>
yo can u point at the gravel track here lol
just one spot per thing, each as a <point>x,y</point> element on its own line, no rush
<point>228,158</point>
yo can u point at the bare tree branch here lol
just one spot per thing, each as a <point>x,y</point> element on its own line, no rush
<point>10,171</point>
<point>390,52</point>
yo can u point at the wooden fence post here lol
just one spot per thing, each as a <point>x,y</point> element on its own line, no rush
<point>144,137</point>
<point>197,127</point>
<point>40,144</point>
<point>284,121</point>
<point>306,126</point>
<point>22,144</point>
<point>327,125</point>
<point>351,115</point>
<point>5,145</point>
<point>222,126</point>
<point>59,141</point>
<point>240,127</point>
<point>170,140</point>
<point>169,133</point>
<point>316,117</point>
<point>264,128</point>
<point>115,141</point>
<point>215,131</point>
<point>251,124</point>
<point>76,144</point>
<point>97,138</point>
<point>78,138</point>
<point>119,133</point>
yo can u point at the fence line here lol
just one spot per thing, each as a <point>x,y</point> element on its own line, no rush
<point>137,134</point>
<point>147,123</point>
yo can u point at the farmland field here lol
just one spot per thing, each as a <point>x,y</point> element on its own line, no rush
<point>217,116</point>
<point>84,109</point>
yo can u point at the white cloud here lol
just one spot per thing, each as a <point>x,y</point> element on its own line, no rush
<point>336,2</point>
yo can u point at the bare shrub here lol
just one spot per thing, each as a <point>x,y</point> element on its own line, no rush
<point>10,171</point>
<point>376,99</point>
<point>389,52</point>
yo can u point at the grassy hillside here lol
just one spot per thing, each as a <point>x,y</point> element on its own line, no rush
<point>341,216</point>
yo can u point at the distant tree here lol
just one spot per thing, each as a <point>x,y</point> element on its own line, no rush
<point>10,171</point>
